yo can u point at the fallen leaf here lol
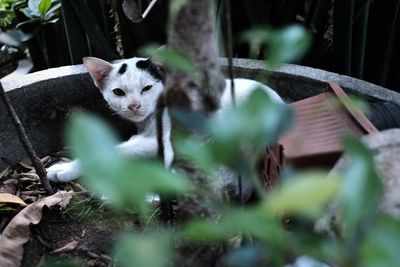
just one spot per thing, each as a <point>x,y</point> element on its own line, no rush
<point>31,176</point>
<point>67,248</point>
<point>9,198</point>
<point>26,163</point>
<point>29,199</point>
<point>6,209</point>
<point>9,186</point>
<point>17,232</point>
<point>45,160</point>
<point>93,255</point>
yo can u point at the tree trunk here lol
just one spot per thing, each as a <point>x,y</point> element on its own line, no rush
<point>192,33</point>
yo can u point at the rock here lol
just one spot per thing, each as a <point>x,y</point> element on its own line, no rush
<point>385,146</point>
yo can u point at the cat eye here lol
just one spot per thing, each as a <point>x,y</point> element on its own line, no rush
<point>146,88</point>
<point>118,92</point>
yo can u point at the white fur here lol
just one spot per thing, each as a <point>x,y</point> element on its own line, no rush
<point>132,82</point>
<point>145,143</point>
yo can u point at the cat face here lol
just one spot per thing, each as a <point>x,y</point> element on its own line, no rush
<point>131,88</point>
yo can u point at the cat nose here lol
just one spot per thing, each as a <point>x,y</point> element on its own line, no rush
<point>134,107</point>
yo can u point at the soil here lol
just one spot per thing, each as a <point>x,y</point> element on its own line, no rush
<point>83,233</point>
<point>61,235</point>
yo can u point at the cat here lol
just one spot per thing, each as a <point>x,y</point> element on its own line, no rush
<point>131,89</point>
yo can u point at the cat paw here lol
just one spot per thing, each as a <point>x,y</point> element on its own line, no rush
<point>63,172</point>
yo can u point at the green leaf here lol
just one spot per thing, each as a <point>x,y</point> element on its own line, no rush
<point>196,152</point>
<point>44,6</point>
<point>169,57</point>
<point>382,245</point>
<point>236,137</point>
<point>290,44</point>
<point>305,194</point>
<point>4,172</point>
<point>284,45</point>
<point>253,125</point>
<point>94,142</point>
<point>126,183</point>
<point>361,190</point>
<point>147,250</point>
<point>236,221</point>
<point>194,122</point>
<point>51,13</point>
<point>53,263</point>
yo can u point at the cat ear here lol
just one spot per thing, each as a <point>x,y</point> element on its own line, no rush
<point>98,69</point>
<point>155,69</point>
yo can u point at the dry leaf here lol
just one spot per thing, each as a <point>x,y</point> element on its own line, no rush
<point>26,163</point>
<point>16,234</point>
<point>9,198</point>
<point>9,186</point>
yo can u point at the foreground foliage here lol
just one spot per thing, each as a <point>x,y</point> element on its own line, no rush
<point>366,237</point>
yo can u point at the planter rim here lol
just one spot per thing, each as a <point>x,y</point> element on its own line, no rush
<point>348,83</point>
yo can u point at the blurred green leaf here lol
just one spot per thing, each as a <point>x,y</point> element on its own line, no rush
<point>194,122</point>
<point>4,172</point>
<point>196,152</point>
<point>53,263</point>
<point>361,190</point>
<point>94,142</point>
<point>304,194</point>
<point>170,58</point>
<point>382,245</point>
<point>236,136</point>
<point>124,182</point>
<point>146,250</point>
<point>237,221</point>
<point>284,45</point>
<point>43,7</point>
<point>252,125</point>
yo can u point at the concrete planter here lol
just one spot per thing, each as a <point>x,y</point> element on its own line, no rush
<point>44,100</point>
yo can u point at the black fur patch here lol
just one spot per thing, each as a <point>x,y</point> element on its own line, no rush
<point>154,69</point>
<point>123,69</point>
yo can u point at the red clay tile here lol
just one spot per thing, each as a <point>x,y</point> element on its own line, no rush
<point>320,122</point>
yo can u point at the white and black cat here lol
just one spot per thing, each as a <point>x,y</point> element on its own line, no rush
<point>131,88</point>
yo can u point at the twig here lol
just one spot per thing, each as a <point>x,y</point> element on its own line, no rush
<point>228,19</point>
<point>160,133</point>
<point>117,28</point>
<point>166,209</point>
<point>37,164</point>
<point>146,12</point>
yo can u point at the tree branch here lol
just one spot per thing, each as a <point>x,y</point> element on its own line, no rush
<point>37,164</point>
